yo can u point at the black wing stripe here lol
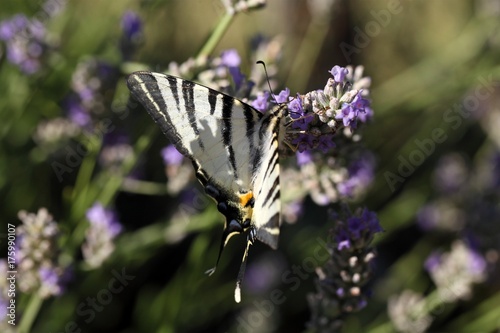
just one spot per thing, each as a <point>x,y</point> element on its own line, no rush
<point>271,166</point>
<point>145,89</point>
<point>267,232</point>
<point>172,81</point>
<point>212,100</point>
<point>272,190</point>
<point>273,222</point>
<point>276,196</point>
<point>188,96</point>
<point>227,108</point>
<point>251,120</point>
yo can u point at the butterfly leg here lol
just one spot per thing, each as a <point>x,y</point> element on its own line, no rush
<point>232,228</point>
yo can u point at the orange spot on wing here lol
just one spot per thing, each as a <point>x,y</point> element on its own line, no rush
<point>244,198</point>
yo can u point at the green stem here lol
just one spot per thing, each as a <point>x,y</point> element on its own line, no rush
<point>87,167</point>
<point>30,313</point>
<point>216,35</point>
<point>114,182</point>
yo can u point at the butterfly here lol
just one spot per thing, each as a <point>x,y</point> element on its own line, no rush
<point>233,149</point>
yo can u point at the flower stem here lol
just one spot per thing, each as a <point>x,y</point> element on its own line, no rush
<point>30,313</point>
<point>216,35</point>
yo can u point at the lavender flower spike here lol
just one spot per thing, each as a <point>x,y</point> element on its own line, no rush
<point>341,281</point>
<point>104,227</point>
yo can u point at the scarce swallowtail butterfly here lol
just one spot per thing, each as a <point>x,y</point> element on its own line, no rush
<point>233,148</point>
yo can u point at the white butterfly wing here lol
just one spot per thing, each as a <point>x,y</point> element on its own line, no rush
<point>266,185</point>
<point>213,129</point>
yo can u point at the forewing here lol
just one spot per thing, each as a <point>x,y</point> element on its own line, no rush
<point>213,129</point>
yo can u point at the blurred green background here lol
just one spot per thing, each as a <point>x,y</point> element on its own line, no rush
<point>423,59</point>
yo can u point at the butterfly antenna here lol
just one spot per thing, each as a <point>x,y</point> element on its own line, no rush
<point>241,273</point>
<point>260,62</point>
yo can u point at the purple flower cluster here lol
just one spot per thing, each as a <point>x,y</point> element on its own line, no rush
<point>132,34</point>
<point>104,219</point>
<point>317,116</point>
<point>92,84</point>
<point>261,102</point>
<point>131,25</point>
<point>343,101</point>
<point>360,175</point>
<point>466,199</point>
<point>232,61</point>
<point>351,112</point>
<point>357,231</point>
<point>38,255</point>
<point>341,281</point>
<point>104,227</point>
<point>455,272</point>
<point>25,41</point>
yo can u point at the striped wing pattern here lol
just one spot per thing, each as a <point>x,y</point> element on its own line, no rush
<point>233,147</point>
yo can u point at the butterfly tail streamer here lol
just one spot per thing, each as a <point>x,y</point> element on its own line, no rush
<point>241,273</point>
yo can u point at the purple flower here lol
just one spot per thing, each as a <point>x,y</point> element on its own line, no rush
<point>427,217</point>
<point>355,226</point>
<point>371,220</point>
<point>338,73</point>
<point>131,24</point>
<point>77,112</point>
<point>132,34</point>
<point>342,281</point>
<point>304,141</point>
<point>433,261</point>
<point>261,102</point>
<point>25,43</point>
<point>357,230</point>
<point>455,272</point>
<point>282,97</point>
<point>171,155</point>
<point>230,58</point>
<point>361,174</point>
<point>477,263</point>
<point>304,157</point>
<point>106,219</point>
<point>238,77</point>
<point>343,240</point>
<point>366,115</point>
<point>295,107</point>
<point>293,210</point>
<point>297,113</point>
<point>349,113</point>
<point>50,280</point>
<point>104,227</point>
<point>326,142</point>
<point>451,173</point>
